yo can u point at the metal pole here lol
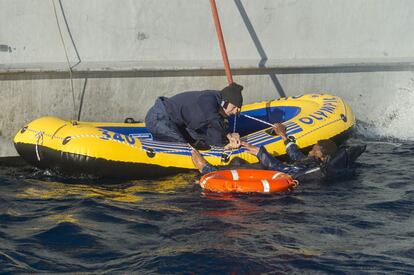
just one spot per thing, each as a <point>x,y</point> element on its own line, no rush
<point>221,41</point>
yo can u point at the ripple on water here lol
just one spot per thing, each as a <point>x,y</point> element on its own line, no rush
<point>65,236</point>
<point>361,224</point>
<point>403,208</point>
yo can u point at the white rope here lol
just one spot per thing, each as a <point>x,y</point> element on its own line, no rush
<point>44,134</point>
<point>259,120</point>
<point>295,184</point>
<point>39,135</point>
<point>234,124</point>
<point>232,149</point>
<point>67,59</point>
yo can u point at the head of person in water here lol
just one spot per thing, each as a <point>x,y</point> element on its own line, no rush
<point>323,149</point>
<point>232,99</point>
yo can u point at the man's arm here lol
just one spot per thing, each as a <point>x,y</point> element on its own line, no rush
<point>265,158</point>
<point>216,136</point>
<point>201,164</point>
<point>216,133</point>
<point>291,148</point>
<point>269,161</point>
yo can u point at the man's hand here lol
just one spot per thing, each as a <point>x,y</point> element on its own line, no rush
<point>250,148</point>
<point>280,130</point>
<point>234,141</point>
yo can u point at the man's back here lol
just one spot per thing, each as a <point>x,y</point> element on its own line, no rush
<point>194,109</point>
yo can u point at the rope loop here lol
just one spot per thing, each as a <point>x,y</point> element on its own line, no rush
<point>151,152</point>
<point>295,185</point>
<point>39,135</point>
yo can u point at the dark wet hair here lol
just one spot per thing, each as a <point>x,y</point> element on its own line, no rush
<point>328,147</point>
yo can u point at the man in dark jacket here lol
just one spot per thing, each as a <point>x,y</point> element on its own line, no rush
<point>302,167</point>
<point>300,164</point>
<point>196,117</point>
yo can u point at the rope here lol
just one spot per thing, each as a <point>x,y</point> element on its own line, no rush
<point>295,184</point>
<point>232,149</point>
<point>259,120</point>
<point>224,153</point>
<point>39,135</point>
<point>44,134</point>
<point>67,59</point>
<point>234,124</point>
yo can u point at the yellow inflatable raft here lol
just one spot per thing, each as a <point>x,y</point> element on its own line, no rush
<point>127,149</point>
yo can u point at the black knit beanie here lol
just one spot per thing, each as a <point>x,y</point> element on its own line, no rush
<point>232,94</point>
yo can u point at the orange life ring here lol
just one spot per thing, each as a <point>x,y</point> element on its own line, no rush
<point>247,181</point>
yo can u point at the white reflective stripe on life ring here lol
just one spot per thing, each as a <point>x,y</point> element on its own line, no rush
<point>276,175</point>
<point>266,186</point>
<point>204,181</point>
<point>235,174</point>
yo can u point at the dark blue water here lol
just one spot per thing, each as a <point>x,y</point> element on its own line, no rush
<point>360,225</point>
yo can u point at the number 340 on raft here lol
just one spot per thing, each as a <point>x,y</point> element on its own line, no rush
<point>119,137</point>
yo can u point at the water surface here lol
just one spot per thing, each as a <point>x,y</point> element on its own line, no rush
<point>363,224</point>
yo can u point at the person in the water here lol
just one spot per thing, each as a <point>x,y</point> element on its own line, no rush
<point>323,160</point>
<point>196,117</point>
